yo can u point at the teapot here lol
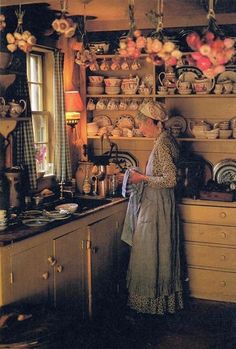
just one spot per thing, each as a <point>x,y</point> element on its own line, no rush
<point>198,128</point>
<point>17,109</point>
<point>130,85</point>
<point>167,79</point>
<point>203,85</point>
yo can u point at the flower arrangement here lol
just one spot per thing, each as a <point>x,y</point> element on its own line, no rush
<point>211,53</point>
<point>64,26</point>
<point>40,154</point>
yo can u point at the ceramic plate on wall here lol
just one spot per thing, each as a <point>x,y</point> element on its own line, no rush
<point>125,159</point>
<point>225,171</point>
<point>227,75</point>
<point>177,121</point>
<point>102,120</point>
<point>185,69</point>
<point>125,121</point>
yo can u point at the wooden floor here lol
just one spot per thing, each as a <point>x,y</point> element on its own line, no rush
<point>201,325</point>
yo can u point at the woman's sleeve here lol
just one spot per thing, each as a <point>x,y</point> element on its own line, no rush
<point>168,175</point>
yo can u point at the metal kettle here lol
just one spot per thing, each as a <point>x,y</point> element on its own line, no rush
<point>16,196</point>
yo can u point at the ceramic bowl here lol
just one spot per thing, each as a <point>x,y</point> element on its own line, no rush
<point>95,90</point>
<point>225,134</point>
<point>112,82</point>
<point>96,79</point>
<point>70,207</point>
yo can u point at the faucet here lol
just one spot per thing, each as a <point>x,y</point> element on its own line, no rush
<point>65,191</point>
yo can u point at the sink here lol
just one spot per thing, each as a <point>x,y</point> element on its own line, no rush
<point>90,203</point>
<point>85,203</point>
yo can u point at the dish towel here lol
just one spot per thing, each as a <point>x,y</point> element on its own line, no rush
<point>134,192</point>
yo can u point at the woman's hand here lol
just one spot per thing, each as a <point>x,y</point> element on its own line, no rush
<point>136,177</point>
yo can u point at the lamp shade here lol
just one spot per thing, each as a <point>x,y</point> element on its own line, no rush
<point>73,101</point>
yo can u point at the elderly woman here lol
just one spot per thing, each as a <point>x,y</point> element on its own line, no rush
<point>153,278</point>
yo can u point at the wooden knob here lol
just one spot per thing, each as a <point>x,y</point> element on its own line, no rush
<point>222,214</point>
<point>45,275</point>
<point>223,283</point>
<point>59,268</point>
<point>223,235</point>
<point>222,258</point>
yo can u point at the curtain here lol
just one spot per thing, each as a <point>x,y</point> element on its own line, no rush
<point>23,144</point>
<point>62,161</point>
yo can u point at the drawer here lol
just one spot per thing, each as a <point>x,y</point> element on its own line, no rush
<point>210,256</point>
<point>208,214</point>
<point>217,234</point>
<point>213,285</point>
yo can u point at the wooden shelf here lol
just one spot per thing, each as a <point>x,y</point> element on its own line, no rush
<point>182,139</point>
<point>121,96</point>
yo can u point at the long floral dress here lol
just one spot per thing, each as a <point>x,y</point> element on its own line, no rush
<point>153,278</point>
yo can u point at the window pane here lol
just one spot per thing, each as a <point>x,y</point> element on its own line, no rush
<point>35,71</point>
<point>40,127</point>
<point>35,97</point>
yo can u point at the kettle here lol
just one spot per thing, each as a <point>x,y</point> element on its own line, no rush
<point>16,109</point>
<point>16,197</point>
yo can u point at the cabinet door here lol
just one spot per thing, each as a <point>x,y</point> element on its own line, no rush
<point>31,279</point>
<point>102,263</point>
<point>70,268</point>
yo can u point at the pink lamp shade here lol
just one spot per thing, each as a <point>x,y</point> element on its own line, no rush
<point>73,101</point>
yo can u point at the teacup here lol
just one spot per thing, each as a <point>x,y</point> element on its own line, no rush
<point>218,89</point>
<point>184,85</point>
<point>227,86</point>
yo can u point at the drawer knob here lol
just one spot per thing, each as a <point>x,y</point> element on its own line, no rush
<point>222,257</point>
<point>60,268</point>
<point>223,235</point>
<point>222,214</point>
<point>223,283</point>
<point>45,275</point>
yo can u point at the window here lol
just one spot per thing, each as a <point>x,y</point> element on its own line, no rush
<point>40,80</point>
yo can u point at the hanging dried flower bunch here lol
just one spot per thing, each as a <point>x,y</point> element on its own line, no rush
<point>132,45</point>
<point>85,56</point>
<point>2,22</point>
<point>211,51</point>
<point>160,51</point>
<point>63,25</point>
<point>21,39</point>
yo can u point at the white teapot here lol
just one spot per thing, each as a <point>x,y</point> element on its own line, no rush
<point>16,109</point>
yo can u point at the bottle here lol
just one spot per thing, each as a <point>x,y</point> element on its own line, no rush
<point>86,183</point>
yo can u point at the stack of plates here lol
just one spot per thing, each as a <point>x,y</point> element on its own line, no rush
<point>95,90</point>
<point>112,90</point>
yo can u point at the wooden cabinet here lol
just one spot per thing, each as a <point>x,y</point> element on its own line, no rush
<point>26,274</point>
<point>68,264</point>
<point>210,246</point>
<point>73,267</point>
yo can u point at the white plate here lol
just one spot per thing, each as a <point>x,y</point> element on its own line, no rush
<point>225,171</point>
<point>36,222</point>
<point>102,120</point>
<point>57,214</point>
<point>188,76</point>
<point>177,121</point>
<point>125,121</point>
<point>227,75</point>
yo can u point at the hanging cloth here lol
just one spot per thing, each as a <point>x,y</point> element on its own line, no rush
<point>23,144</point>
<point>62,159</point>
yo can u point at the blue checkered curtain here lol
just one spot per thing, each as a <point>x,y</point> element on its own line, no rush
<point>62,161</point>
<point>23,144</point>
